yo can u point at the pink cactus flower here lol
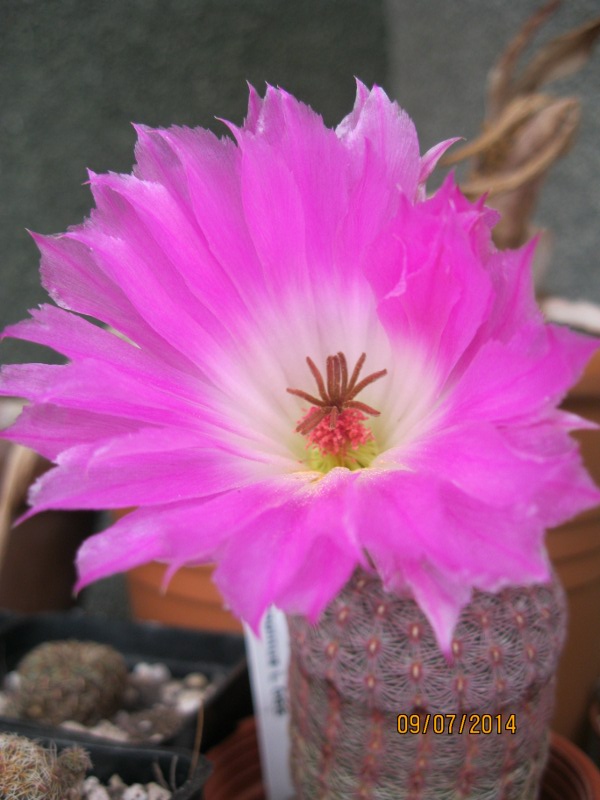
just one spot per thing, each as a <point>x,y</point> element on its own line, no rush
<point>309,366</point>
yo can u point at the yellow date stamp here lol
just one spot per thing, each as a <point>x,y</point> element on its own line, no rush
<point>456,723</point>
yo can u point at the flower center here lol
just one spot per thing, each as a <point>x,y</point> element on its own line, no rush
<point>334,425</point>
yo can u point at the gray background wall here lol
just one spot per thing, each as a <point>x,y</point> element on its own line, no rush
<point>73,74</point>
<point>439,53</point>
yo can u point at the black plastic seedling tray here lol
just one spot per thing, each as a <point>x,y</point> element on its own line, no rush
<point>133,764</point>
<point>220,656</point>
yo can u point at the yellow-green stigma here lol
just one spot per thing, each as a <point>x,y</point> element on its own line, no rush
<point>335,424</point>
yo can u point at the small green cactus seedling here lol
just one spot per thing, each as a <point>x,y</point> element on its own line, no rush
<point>30,772</point>
<point>70,680</point>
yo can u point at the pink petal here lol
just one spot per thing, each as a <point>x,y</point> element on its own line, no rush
<point>77,338</point>
<point>301,527</point>
<point>351,120</point>
<point>91,476</point>
<point>432,156</point>
<point>50,429</point>
<point>510,382</point>
<point>430,539</point>
<point>278,231</point>
<point>178,246</point>
<point>210,169</point>
<point>514,299</point>
<point>163,302</point>
<point>254,108</point>
<point>441,597</point>
<point>73,279</point>
<point>476,458</point>
<point>433,292</point>
<point>531,469</point>
<point>379,125</point>
<point>83,342</point>
<point>76,386</point>
<point>145,535</point>
<point>309,166</point>
<point>306,593</point>
<point>300,519</point>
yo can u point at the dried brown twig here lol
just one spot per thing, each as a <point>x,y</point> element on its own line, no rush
<point>525,131</point>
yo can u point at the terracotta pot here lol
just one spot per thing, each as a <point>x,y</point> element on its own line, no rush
<point>37,559</point>
<point>190,600</point>
<point>593,741</point>
<point>575,552</point>
<point>569,774</point>
<point>236,771</point>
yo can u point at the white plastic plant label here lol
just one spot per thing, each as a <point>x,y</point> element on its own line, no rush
<point>268,658</point>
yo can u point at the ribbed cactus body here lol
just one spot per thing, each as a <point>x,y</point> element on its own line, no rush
<point>71,680</point>
<point>379,713</point>
<point>30,772</point>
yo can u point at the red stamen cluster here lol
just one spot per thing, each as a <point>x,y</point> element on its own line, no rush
<point>339,393</point>
<point>349,433</point>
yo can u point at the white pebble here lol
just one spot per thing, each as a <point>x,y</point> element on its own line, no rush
<point>98,793</point>
<point>157,673</point>
<point>72,725</point>
<point>188,701</point>
<point>108,730</point>
<point>169,692</point>
<point>12,682</point>
<point>116,783</point>
<point>5,705</point>
<point>156,792</point>
<point>195,680</point>
<point>93,790</point>
<point>135,792</point>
